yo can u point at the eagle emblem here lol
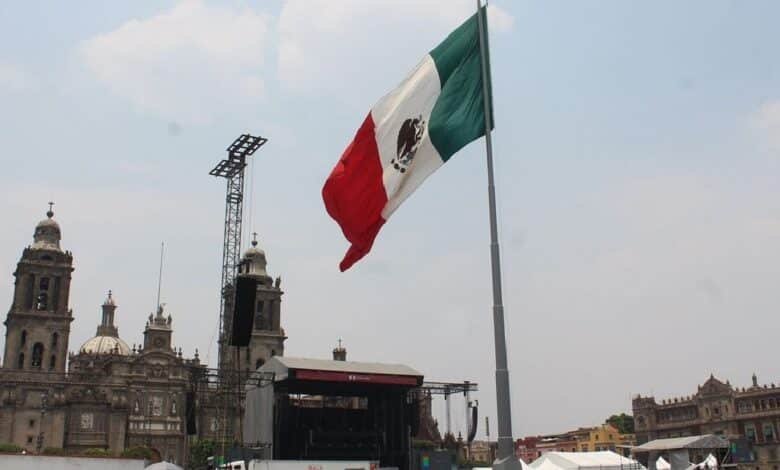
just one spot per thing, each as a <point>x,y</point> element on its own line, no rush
<point>409,137</point>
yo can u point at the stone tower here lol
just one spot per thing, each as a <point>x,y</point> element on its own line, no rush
<point>38,322</point>
<point>268,336</point>
<point>157,334</point>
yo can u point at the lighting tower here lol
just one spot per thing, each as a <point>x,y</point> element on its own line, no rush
<point>232,169</point>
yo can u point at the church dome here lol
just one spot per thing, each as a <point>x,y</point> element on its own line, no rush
<point>255,254</point>
<point>105,345</point>
<point>47,233</point>
<point>254,262</point>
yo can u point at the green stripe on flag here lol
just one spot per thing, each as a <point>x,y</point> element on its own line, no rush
<point>458,117</point>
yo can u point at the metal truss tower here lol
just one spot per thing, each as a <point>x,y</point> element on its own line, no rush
<point>232,169</point>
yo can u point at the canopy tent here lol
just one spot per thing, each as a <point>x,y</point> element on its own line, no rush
<point>706,441</point>
<point>662,464</point>
<point>604,460</point>
<point>678,450</point>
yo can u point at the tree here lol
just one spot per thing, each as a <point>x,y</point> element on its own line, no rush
<point>9,448</point>
<point>623,422</point>
<point>201,450</point>
<point>138,452</point>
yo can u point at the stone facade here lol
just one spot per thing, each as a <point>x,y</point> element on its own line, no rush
<point>107,395</point>
<point>750,413</point>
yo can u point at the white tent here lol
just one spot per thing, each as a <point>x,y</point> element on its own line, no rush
<point>524,466</point>
<point>662,464</point>
<point>710,462</point>
<point>604,460</point>
<point>163,466</point>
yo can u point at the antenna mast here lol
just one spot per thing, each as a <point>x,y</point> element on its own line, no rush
<point>159,276</point>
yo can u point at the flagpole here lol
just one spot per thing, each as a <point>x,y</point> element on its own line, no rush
<point>506,458</point>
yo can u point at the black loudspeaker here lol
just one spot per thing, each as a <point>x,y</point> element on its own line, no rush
<point>473,424</point>
<point>413,410</point>
<point>244,311</point>
<point>192,421</point>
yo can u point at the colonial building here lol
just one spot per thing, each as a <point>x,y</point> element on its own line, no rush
<point>750,413</point>
<point>107,395</point>
<point>588,439</point>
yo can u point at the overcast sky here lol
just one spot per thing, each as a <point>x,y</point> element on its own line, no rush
<point>638,154</point>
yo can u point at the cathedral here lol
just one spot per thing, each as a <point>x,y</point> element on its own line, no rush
<point>105,394</point>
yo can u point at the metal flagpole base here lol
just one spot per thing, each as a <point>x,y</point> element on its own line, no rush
<point>507,463</point>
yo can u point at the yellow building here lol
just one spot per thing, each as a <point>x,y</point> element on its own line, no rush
<point>603,437</point>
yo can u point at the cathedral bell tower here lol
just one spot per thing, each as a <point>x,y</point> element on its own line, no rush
<point>267,336</point>
<point>38,322</point>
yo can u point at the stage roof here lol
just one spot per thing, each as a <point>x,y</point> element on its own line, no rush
<point>321,370</point>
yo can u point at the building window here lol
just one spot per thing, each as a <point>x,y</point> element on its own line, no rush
<point>43,301</point>
<point>87,421</point>
<point>31,423</point>
<point>750,432</point>
<point>24,338</point>
<point>52,362</point>
<point>20,363</point>
<point>769,432</point>
<point>54,339</point>
<point>37,355</point>
<point>260,321</point>
<point>259,363</point>
<point>44,283</point>
<point>29,439</point>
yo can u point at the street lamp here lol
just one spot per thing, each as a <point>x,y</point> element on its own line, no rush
<point>44,402</point>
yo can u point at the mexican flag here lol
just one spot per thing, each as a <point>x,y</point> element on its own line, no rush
<point>407,135</point>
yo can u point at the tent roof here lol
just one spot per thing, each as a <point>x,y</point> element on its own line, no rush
<point>706,441</point>
<point>524,466</point>
<point>570,460</point>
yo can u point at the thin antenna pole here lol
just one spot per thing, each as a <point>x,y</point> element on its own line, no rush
<point>159,276</point>
<point>506,458</point>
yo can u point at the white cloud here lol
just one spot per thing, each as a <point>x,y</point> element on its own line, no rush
<point>190,63</point>
<point>13,78</point>
<point>333,45</point>
<point>767,121</point>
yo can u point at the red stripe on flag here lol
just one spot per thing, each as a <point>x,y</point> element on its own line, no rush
<point>354,194</point>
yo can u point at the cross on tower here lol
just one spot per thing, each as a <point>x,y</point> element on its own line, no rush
<point>254,238</point>
<point>50,213</point>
